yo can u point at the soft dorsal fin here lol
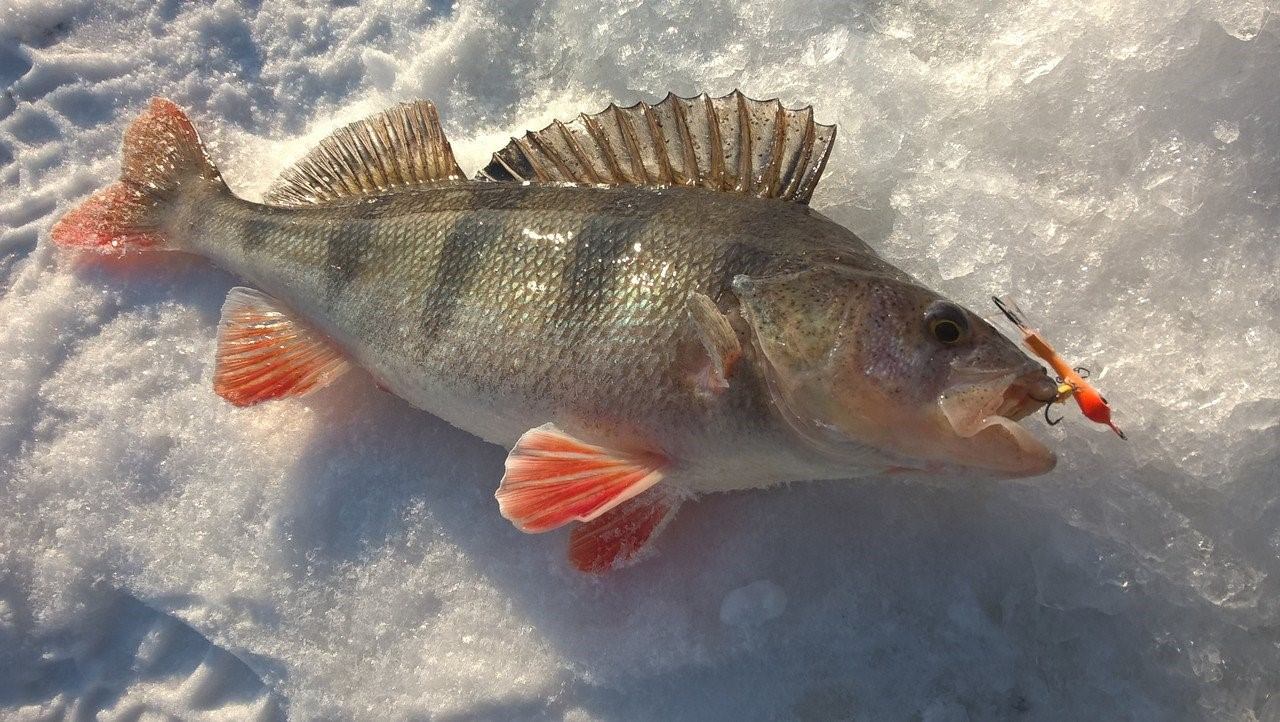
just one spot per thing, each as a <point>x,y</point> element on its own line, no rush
<point>732,144</point>
<point>398,148</point>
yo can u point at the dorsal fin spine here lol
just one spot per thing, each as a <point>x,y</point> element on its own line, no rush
<point>399,129</point>
<point>372,172</point>
<point>743,183</point>
<point>502,161</point>
<point>559,163</point>
<point>730,144</point>
<point>546,154</point>
<point>351,172</point>
<point>716,151</point>
<point>633,145</point>
<point>540,156</point>
<point>692,176</point>
<point>381,137</point>
<point>768,178</point>
<point>579,154</point>
<point>794,172</point>
<point>356,173</point>
<point>791,175</point>
<point>602,139</point>
<point>659,138</point>
<point>815,171</point>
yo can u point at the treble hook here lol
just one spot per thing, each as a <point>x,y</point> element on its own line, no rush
<point>1084,372</point>
<point>1049,421</point>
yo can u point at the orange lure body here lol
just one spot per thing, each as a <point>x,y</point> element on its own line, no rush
<point>1092,404</point>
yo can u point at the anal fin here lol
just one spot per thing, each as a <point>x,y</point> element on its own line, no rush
<point>552,479</point>
<point>265,353</point>
<point>621,536</point>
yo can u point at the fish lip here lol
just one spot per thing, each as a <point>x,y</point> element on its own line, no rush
<point>1023,395</point>
<point>1011,396</point>
<point>1026,394</point>
<point>1038,458</point>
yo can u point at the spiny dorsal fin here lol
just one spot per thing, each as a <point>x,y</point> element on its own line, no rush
<point>733,144</point>
<point>398,148</point>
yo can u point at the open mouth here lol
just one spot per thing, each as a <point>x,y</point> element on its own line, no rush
<point>1027,394</point>
<point>986,410</point>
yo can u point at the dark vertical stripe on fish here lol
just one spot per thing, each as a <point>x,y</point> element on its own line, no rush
<point>590,276</point>
<point>461,251</point>
<point>256,230</point>
<point>344,255</point>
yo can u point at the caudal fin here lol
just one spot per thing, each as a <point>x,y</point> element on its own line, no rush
<point>162,158</point>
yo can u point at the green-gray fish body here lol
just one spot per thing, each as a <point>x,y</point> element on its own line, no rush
<point>639,304</point>
<point>499,307</point>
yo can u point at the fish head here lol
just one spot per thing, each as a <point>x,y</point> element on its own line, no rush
<point>859,361</point>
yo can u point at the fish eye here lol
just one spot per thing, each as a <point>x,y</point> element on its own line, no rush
<point>947,323</point>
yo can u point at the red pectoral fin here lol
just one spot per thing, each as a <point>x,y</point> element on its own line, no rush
<point>264,353</point>
<point>553,479</point>
<point>618,537</point>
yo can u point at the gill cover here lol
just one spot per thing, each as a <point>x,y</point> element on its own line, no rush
<point>798,323</point>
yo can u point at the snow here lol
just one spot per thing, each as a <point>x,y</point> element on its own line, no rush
<point>1115,165</point>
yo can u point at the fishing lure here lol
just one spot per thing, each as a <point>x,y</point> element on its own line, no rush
<point>1071,380</point>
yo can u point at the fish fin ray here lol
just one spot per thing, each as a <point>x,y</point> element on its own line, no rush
<point>552,479</point>
<point>732,144</point>
<point>719,341</point>
<point>623,535</point>
<point>264,353</point>
<point>402,147</point>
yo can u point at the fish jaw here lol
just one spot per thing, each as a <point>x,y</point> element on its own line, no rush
<point>982,414</point>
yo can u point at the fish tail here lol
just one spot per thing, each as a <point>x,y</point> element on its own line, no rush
<point>162,160</point>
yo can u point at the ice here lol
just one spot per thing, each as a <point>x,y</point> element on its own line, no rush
<point>1115,166</point>
<point>753,604</point>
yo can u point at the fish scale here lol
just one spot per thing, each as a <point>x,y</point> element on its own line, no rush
<point>692,326</point>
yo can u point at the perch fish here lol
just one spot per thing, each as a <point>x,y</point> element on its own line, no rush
<point>639,304</point>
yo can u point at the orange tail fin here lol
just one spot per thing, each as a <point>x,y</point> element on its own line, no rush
<point>162,158</point>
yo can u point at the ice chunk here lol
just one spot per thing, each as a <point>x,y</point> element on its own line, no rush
<point>753,604</point>
<point>1226,131</point>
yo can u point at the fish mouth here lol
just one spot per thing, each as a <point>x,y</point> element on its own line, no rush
<point>985,409</point>
<point>1027,394</point>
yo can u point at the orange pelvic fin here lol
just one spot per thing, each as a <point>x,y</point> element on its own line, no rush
<point>553,479</point>
<point>621,536</point>
<point>265,353</point>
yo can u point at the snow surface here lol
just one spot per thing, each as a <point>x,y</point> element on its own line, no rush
<point>1115,164</point>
